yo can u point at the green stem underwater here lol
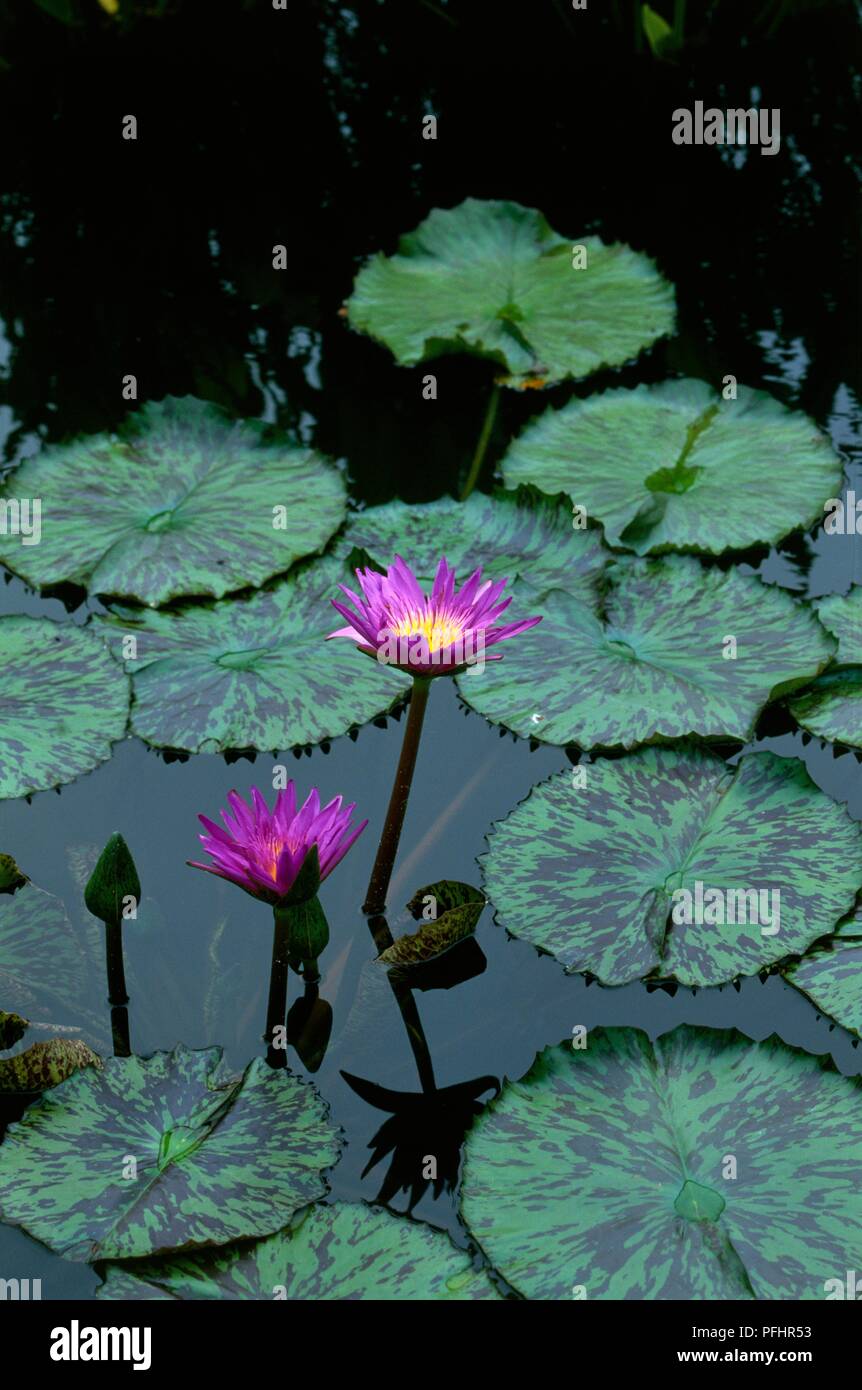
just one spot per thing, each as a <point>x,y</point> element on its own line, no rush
<point>378,886</point>
<point>481,447</point>
<point>277,1004</point>
<point>117,993</point>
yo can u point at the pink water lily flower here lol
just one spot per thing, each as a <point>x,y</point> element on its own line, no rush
<point>424,635</point>
<point>263,851</point>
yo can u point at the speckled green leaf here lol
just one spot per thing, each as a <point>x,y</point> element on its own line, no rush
<point>604,1172</point>
<point>218,1158</point>
<point>832,707</point>
<point>63,704</point>
<point>251,673</point>
<point>42,962</point>
<point>588,873</point>
<point>831,974</point>
<point>183,501</point>
<point>446,893</point>
<point>45,1064</point>
<point>11,877</point>
<point>646,659</point>
<point>346,1251</point>
<point>434,937</point>
<point>12,1029</point>
<point>508,534</point>
<point>675,466</point>
<point>492,278</point>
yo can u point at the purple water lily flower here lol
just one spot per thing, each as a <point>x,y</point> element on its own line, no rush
<point>423,635</point>
<point>263,851</point>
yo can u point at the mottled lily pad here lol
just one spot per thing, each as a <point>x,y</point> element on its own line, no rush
<point>184,500</point>
<point>832,707</point>
<point>217,1158</point>
<point>64,704</point>
<point>508,534</point>
<point>251,673</point>
<point>457,908</point>
<point>45,1064</point>
<point>492,278</point>
<point>12,1029</point>
<point>675,466</point>
<point>699,1166</point>
<point>43,965</point>
<point>589,874</point>
<point>831,975</point>
<point>650,657</point>
<point>346,1251</point>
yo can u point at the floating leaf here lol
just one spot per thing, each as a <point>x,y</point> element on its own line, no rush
<point>492,278</point>
<point>675,466</point>
<point>589,874</point>
<point>183,501</point>
<point>45,1064</point>
<point>508,534</point>
<point>651,657</point>
<point>11,877</point>
<point>64,704</point>
<point>433,937</point>
<point>832,707</point>
<point>42,963</point>
<point>346,1251</point>
<point>251,673</point>
<point>12,1029</point>
<point>831,975</point>
<point>218,1158</point>
<point>698,1166</point>
<point>446,894</point>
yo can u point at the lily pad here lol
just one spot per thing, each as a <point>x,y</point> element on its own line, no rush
<point>45,1064</point>
<point>11,877</point>
<point>699,1166</point>
<point>251,673</point>
<point>590,874</point>
<point>346,1251</point>
<point>508,534</point>
<point>492,278</point>
<point>832,707</point>
<point>43,966</point>
<point>217,1157</point>
<point>650,657</point>
<point>677,467</point>
<point>64,704</point>
<point>457,907</point>
<point>831,975</point>
<point>12,1029</point>
<point>184,500</point>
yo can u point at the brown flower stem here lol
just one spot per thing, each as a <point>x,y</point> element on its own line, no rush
<point>277,1004</point>
<point>481,447</point>
<point>375,898</point>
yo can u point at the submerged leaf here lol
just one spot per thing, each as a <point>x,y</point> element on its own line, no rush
<point>598,876</point>
<point>64,704</point>
<point>669,648</point>
<point>346,1251</point>
<point>251,673</point>
<point>492,278</point>
<point>698,1166</point>
<point>43,966</point>
<point>676,466</point>
<point>184,501</point>
<point>215,1158</point>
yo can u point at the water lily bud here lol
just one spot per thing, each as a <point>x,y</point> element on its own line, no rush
<point>113,882</point>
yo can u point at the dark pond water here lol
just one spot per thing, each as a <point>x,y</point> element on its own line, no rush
<point>304,128</point>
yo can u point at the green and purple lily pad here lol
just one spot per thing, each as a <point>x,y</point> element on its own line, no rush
<point>677,467</point>
<point>832,707</point>
<point>492,278</point>
<point>666,648</point>
<point>184,500</point>
<point>699,1166</point>
<point>64,704</point>
<point>594,874</point>
<point>346,1251</point>
<point>164,1153</point>
<point>250,673</point>
<point>831,974</point>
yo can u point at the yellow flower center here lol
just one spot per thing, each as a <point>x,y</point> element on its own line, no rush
<point>438,631</point>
